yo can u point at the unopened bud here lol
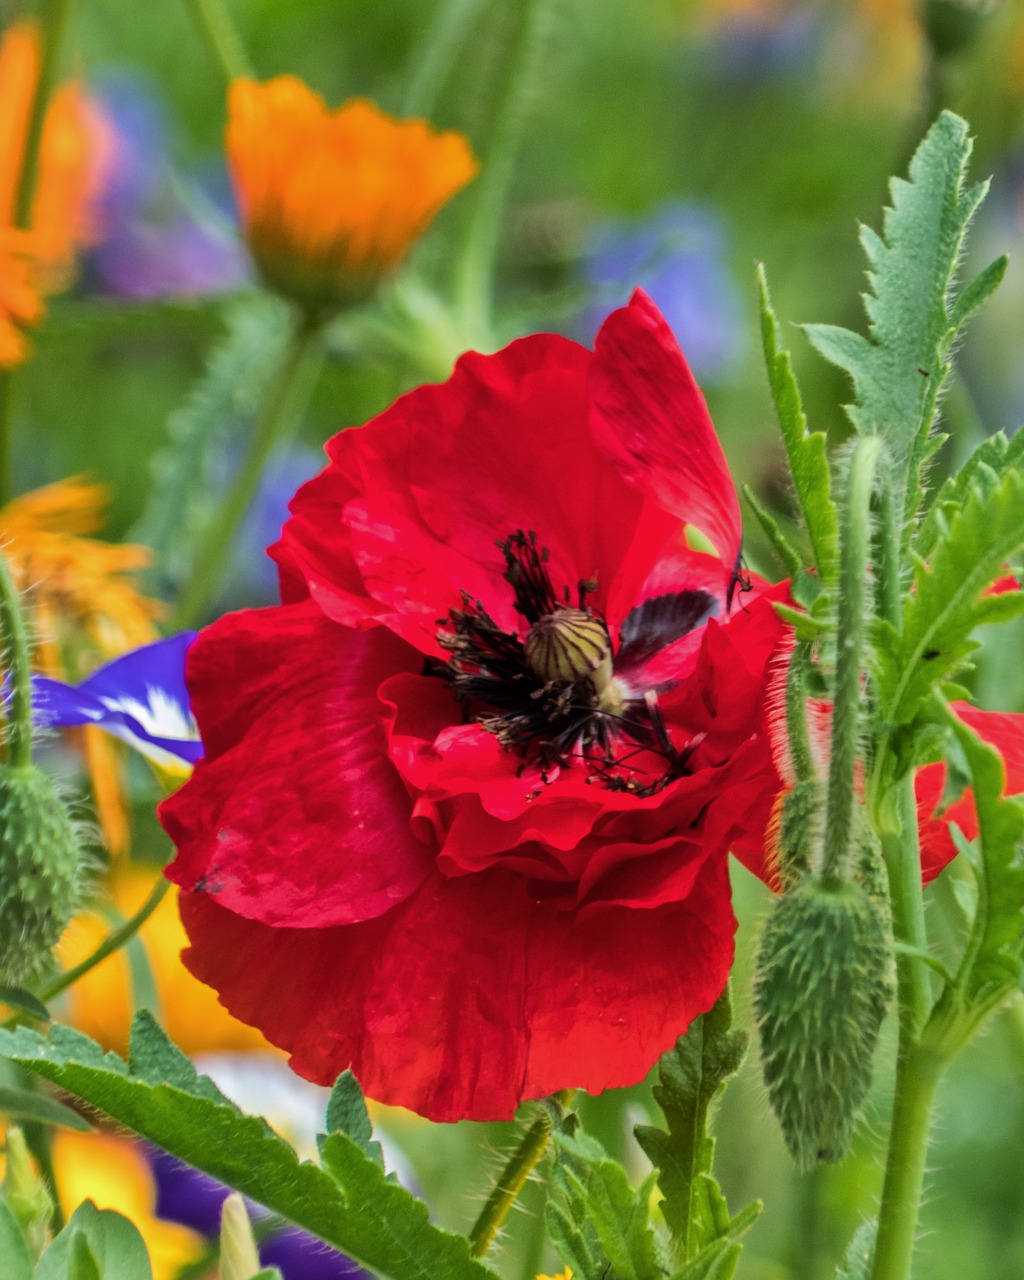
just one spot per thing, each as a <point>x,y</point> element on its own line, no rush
<point>239,1259</point>
<point>39,862</point>
<point>570,644</point>
<point>800,830</point>
<point>821,993</point>
<point>26,1194</point>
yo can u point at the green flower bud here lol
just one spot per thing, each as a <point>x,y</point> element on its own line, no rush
<point>570,644</point>
<point>26,1194</point>
<point>39,870</point>
<point>239,1259</point>
<point>822,988</point>
<point>801,826</point>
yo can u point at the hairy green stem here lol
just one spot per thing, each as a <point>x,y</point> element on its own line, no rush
<point>113,942</point>
<point>851,629</point>
<point>917,1074</point>
<point>511,1181</point>
<point>222,38</point>
<point>17,663</point>
<point>437,53</point>
<point>285,406</point>
<point>796,713</point>
<point>887,560</point>
<point>475,267</point>
<point>53,19</point>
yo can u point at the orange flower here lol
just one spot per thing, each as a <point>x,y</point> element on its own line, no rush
<point>103,1001</point>
<point>20,304</point>
<point>331,201</point>
<point>71,160</point>
<point>85,608</point>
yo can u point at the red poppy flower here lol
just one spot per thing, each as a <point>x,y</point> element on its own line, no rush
<point>467,792</point>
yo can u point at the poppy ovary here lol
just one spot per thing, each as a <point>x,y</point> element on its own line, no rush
<point>570,644</point>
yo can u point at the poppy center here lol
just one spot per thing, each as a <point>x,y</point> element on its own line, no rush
<point>555,694</point>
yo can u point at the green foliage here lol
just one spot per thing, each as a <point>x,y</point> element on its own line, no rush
<point>690,1079</point>
<point>913,318</point>
<point>857,1260</point>
<point>230,392</point>
<point>347,1114</point>
<point>25,1002</point>
<point>808,459</point>
<point>822,989</point>
<point>969,549</point>
<point>24,1104</point>
<point>994,456</point>
<point>96,1244</point>
<point>17,1261</point>
<point>605,1223</point>
<point>157,1093</point>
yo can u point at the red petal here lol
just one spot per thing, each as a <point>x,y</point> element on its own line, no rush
<point>650,416</point>
<point>470,997</point>
<point>296,815</point>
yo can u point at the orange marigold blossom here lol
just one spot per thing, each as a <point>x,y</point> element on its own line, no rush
<point>72,161</point>
<point>331,201</point>
<point>20,304</point>
<point>85,607</point>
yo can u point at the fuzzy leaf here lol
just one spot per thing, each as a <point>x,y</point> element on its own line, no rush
<point>347,1114</point>
<point>948,599</point>
<point>690,1077</point>
<point>898,372</point>
<point>859,1256</point>
<point>717,1262</point>
<point>25,1104</point>
<point>808,459</point>
<point>96,1244</point>
<point>24,1002</point>
<point>993,961</point>
<point>158,1095</point>
<point>984,466</point>
<point>606,1215</point>
<point>17,1260</point>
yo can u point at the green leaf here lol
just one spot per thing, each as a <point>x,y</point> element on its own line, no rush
<point>347,1114</point>
<point>158,1095</point>
<point>989,460</point>
<point>808,459</point>
<point>690,1077</point>
<point>17,1261</point>
<point>948,599</point>
<point>24,1002</point>
<point>898,372</point>
<point>96,1244</point>
<point>780,544</point>
<point>24,1104</point>
<point>225,398</point>
<point>717,1262</point>
<point>992,964</point>
<point>859,1256</point>
<point>605,1213</point>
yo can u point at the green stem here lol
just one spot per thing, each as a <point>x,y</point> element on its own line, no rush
<point>6,424</point>
<point>487,196</point>
<point>851,628</point>
<point>523,1161</point>
<point>917,1074</point>
<point>17,661</point>
<point>222,38</point>
<point>284,409</point>
<point>437,54</point>
<point>887,562</point>
<point>113,942</point>
<point>796,713</point>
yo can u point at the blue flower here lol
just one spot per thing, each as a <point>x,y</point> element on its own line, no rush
<point>140,698</point>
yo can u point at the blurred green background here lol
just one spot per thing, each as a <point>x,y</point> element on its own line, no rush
<point>671,143</point>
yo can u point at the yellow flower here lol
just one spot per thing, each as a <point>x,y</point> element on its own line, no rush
<point>85,608</point>
<point>562,1275</point>
<point>101,1003</point>
<point>71,158</point>
<point>331,201</point>
<point>20,304</point>
<point>113,1173</point>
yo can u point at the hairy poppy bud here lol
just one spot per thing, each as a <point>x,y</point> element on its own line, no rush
<point>570,644</point>
<point>26,1194</point>
<point>801,826</point>
<point>39,859</point>
<point>821,992</point>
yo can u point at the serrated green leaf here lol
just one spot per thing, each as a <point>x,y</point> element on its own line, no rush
<point>992,964</point>
<point>24,1104</point>
<point>857,1260</point>
<point>978,292</point>
<point>948,599</point>
<point>96,1243</point>
<point>17,1261</point>
<point>989,460</point>
<point>189,1118</point>
<point>897,373</point>
<point>347,1114</point>
<point>781,545</point>
<point>25,1002</point>
<point>600,1196</point>
<point>227,395</point>
<point>717,1262</point>
<point>571,1244</point>
<point>807,451</point>
<point>690,1078</point>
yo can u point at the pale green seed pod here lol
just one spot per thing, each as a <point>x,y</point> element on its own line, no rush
<point>39,870</point>
<point>570,644</point>
<point>26,1194</point>
<point>821,992</point>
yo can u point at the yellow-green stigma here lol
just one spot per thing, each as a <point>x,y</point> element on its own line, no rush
<point>570,644</point>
